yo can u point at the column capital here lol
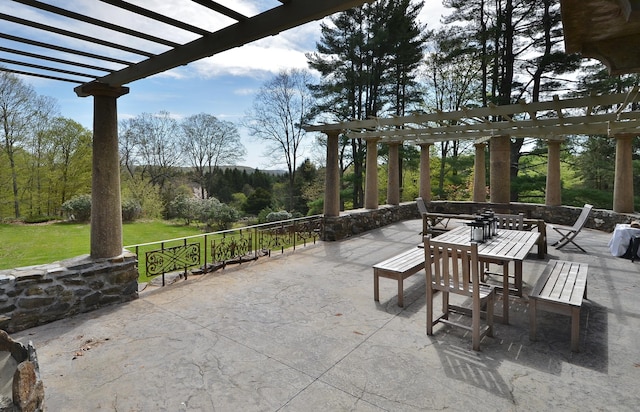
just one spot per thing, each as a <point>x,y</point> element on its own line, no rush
<point>100,89</point>
<point>625,135</point>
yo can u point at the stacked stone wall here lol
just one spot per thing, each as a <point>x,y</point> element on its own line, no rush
<point>357,221</point>
<point>599,219</point>
<point>35,295</point>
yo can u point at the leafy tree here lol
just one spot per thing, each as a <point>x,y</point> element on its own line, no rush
<point>518,46</point>
<point>18,114</point>
<point>207,142</point>
<point>280,109</point>
<point>70,157</point>
<point>150,143</point>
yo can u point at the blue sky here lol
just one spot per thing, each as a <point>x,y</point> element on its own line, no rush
<point>223,85</point>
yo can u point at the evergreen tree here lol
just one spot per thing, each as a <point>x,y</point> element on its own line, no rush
<point>368,58</point>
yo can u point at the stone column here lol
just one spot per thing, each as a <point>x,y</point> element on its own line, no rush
<point>500,163</point>
<point>332,179</point>
<point>480,174</point>
<point>425,172</point>
<point>623,184</point>
<point>371,175</point>
<point>553,196</point>
<point>393,182</point>
<point>106,208</point>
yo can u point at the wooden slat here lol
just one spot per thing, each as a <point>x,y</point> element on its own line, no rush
<point>563,282</point>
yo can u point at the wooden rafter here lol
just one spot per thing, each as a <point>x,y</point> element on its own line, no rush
<point>550,120</point>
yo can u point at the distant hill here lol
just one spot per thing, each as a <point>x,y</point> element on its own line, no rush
<point>252,169</point>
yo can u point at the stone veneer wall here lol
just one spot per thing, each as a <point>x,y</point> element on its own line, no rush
<point>35,295</point>
<point>353,222</point>
<point>599,219</point>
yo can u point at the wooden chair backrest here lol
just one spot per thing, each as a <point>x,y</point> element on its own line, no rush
<point>422,207</point>
<point>452,268</point>
<point>582,219</point>
<point>513,222</point>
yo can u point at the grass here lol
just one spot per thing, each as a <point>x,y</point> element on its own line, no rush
<point>27,245</point>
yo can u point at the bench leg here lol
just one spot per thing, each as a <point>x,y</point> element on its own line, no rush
<point>532,320</point>
<point>400,294</point>
<point>376,286</point>
<point>575,329</point>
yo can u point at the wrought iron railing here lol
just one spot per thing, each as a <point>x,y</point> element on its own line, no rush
<point>215,250</point>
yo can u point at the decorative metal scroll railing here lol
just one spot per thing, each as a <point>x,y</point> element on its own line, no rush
<point>215,250</point>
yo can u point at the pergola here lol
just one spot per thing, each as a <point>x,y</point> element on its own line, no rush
<point>101,65</point>
<point>551,121</point>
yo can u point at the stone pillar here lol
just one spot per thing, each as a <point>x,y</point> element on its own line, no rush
<point>500,163</point>
<point>623,184</point>
<point>332,178</point>
<point>480,174</point>
<point>553,196</point>
<point>393,182</point>
<point>425,172</point>
<point>106,208</point>
<point>371,175</point>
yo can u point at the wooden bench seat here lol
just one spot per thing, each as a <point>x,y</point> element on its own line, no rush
<point>398,267</point>
<point>560,289</point>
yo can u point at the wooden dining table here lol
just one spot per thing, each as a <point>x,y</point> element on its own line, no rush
<point>505,247</point>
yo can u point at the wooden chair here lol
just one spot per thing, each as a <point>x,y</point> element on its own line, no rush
<point>568,234</point>
<point>435,220</point>
<point>455,269</point>
<point>512,222</point>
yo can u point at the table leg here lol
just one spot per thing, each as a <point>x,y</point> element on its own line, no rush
<point>518,277</point>
<point>505,293</point>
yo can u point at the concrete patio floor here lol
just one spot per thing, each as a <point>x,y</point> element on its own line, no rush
<point>301,332</point>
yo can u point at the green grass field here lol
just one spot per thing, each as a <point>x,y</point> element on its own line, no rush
<point>27,245</point>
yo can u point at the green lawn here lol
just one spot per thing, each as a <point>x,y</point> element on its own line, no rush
<point>26,245</point>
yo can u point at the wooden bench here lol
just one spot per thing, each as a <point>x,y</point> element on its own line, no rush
<point>398,267</point>
<point>560,289</point>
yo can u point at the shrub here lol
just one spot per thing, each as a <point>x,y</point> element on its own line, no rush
<point>185,207</point>
<point>39,219</point>
<point>78,208</point>
<point>216,214</point>
<point>131,210</point>
<point>279,215</point>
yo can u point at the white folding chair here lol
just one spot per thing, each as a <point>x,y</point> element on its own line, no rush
<point>568,234</point>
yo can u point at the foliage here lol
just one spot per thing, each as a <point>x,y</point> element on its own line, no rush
<point>39,219</point>
<point>147,195</point>
<point>217,215</point>
<point>368,57</point>
<point>277,216</point>
<point>131,210</point>
<point>279,111</point>
<point>257,201</point>
<point>211,212</point>
<point>207,142</point>
<point>78,208</point>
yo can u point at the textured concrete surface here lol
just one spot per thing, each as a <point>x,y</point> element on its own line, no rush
<point>301,332</point>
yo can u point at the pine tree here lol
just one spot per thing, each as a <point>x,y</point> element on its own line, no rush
<point>368,58</point>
